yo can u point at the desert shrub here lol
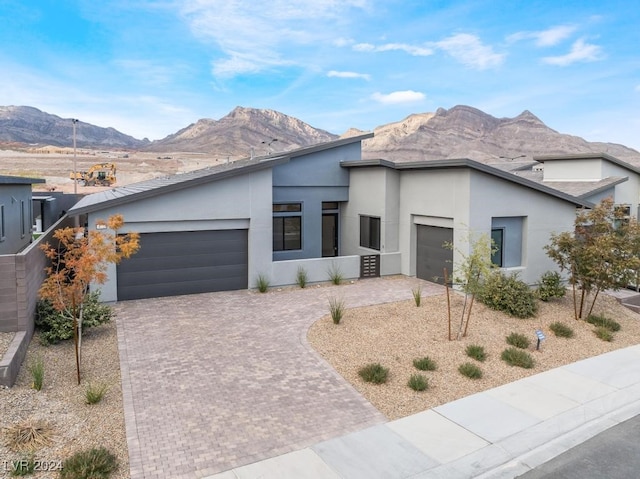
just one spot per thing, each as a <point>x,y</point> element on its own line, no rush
<point>602,321</point>
<point>56,326</point>
<point>25,466</point>
<point>94,393</point>
<point>476,352</point>
<point>302,278</point>
<point>518,340</point>
<point>425,364</point>
<point>418,382</point>
<point>603,333</point>
<point>96,463</point>
<point>417,295</point>
<point>374,373</point>
<point>263,283</point>
<point>470,370</point>
<point>335,274</point>
<point>561,330</point>
<point>508,294</point>
<point>517,357</point>
<point>28,435</point>
<point>36,368</point>
<point>550,286</point>
<point>336,308</point>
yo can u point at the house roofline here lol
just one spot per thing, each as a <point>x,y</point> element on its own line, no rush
<point>475,165</point>
<point>605,187</point>
<point>19,180</point>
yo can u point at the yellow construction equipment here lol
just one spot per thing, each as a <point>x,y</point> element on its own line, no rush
<point>101,174</point>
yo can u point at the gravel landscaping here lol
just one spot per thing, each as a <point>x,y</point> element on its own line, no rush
<point>396,334</point>
<point>75,425</point>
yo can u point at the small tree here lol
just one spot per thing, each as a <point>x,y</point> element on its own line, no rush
<point>470,273</point>
<point>78,260</point>
<point>602,252</point>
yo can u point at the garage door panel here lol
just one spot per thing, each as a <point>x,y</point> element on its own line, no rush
<point>431,256</point>
<point>174,263</point>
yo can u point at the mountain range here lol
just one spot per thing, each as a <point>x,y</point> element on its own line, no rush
<point>459,132</point>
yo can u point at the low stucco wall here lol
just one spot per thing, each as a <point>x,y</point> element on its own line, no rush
<point>283,273</point>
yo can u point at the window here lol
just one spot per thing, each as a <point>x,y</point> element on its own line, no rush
<point>23,220</point>
<point>508,235</point>
<point>287,227</point>
<point>497,238</point>
<point>2,230</point>
<point>370,232</point>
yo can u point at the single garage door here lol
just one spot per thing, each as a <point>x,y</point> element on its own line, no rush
<point>185,262</point>
<point>431,256</point>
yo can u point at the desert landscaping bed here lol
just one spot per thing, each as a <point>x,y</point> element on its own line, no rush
<point>74,425</point>
<point>395,334</point>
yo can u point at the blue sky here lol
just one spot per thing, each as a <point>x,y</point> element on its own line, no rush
<point>151,67</point>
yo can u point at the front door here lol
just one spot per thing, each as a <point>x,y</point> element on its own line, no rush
<point>329,234</point>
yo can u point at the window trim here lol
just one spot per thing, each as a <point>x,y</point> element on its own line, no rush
<point>23,220</point>
<point>367,225</point>
<point>281,213</point>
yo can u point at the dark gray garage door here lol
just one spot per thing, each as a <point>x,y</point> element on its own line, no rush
<point>186,262</point>
<point>432,257</point>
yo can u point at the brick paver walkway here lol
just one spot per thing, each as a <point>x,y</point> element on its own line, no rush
<point>214,381</point>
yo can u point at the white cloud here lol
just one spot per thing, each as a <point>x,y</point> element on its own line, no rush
<point>406,96</point>
<point>337,74</point>
<point>545,38</point>
<point>253,34</point>
<point>580,52</point>
<point>470,51</point>
<point>412,50</point>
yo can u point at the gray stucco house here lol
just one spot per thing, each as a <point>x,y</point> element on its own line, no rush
<point>16,213</point>
<point>323,207</point>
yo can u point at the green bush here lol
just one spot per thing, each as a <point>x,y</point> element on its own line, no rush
<point>550,286</point>
<point>336,308</point>
<point>374,373</point>
<point>94,393</point>
<point>603,322</point>
<point>470,370</point>
<point>508,294</point>
<point>263,283</point>
<point>96,463</point>
<point>56,326</point>
<point>425,364</point>
<point>517,357</point>
<point>518,340</point>
<point>335,274</point>
<point>603,333</point>
<point>417,295</point>
<point>36,368</point>
<point>476,352</point>
<point>301,277</point>
<point>561,330</point>
<point>418,382</point>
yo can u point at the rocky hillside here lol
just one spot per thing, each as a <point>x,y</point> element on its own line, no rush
<point>25,124</point>
<point>466,132</point>
<point>240,131</point>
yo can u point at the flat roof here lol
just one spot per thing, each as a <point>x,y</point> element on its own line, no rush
<point>19,180</point>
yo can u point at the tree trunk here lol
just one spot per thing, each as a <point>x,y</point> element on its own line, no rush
<point>593,303</point>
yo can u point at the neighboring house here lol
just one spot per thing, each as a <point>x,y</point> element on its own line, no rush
<point>16,213</point>
<point>323,206</point>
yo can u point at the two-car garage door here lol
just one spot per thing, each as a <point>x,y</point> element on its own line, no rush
<point>432,257</point>
<point>185,262</point>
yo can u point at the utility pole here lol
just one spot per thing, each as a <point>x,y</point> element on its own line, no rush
<point>75,170</point>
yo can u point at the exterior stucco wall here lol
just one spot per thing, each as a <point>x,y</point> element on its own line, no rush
<point>543,214</point>
<point>14,198</point>
<point>627,192</point>
<point>574,170</point>
<point>236,203</point>
<point>374,192</point>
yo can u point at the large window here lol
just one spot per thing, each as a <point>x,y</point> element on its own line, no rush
<point>287,226</point>
<point>370,232</point>
<point>23,220</point>
<point>497,238</point>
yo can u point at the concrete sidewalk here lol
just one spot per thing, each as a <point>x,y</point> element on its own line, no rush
<point>499,433</point>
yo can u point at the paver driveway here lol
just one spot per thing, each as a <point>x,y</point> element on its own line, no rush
<point>213,381</point>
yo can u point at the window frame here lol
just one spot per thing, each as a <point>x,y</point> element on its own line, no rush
<point>367,225</point>
<point>2,224</point>
<point>499,246</point>
<point>287,217</point>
